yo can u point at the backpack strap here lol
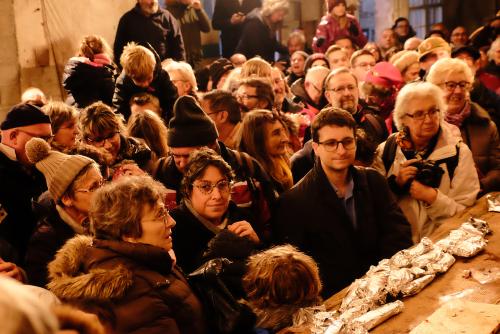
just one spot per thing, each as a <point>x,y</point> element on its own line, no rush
<point>375,124</point>
<point>451,162</point>
<point>389,152</point>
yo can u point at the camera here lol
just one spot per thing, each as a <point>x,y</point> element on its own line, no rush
<point>428,173</point>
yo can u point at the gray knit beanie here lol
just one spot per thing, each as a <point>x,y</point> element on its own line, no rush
<point>59,169</point>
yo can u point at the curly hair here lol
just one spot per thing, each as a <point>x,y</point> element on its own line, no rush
<point>282,275</point>
<point>117,208</point>
<point>199,161</point>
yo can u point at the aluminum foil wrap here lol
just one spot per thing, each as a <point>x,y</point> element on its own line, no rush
<point>480,225</point>
<point>417,285</point>
<point>317,318</point>
<point>466,241</point>
<point>369,291</point>
<point>442,265</point>
<point>373,318</point>
<point>493,202</point>
<point>404,258</point>
<point>430,257</point>
<point>397,279</point>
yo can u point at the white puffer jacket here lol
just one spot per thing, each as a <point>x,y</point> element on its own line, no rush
<point>452,196</point>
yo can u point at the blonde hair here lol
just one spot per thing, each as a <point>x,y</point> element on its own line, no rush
<point>149,126</point>
<point>282,275</point>
<point>256,67</point>
<point>99,118</point>
<point>186,72</point>
<point>137,61</point>
<point>271,6</point>
<point>416,90</point>
<point>94,44</point>
<point>59,113</point>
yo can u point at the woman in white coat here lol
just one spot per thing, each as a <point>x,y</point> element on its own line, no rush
<point>424,136</point>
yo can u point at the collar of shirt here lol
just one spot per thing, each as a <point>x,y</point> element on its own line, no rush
<point>8,151</point>
<point>348,190</point>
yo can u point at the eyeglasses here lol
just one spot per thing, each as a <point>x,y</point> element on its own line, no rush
<point>46,138</point>
<point>340,89</point>
<point>333,145</point>
<point>207,188</point>
<point>451,85</point>
<point>93,187</point>
<point>420,115</point>
<point>161,215</point>
<point>99,141</point>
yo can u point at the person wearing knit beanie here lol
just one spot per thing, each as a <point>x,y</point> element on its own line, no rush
<point>71,180</point>
<point>219,69</point>
<point>407,63</point>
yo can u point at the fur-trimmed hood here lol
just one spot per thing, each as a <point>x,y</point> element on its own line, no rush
<point>68,281</point>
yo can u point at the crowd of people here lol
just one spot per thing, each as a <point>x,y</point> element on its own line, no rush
<point>286,176</point>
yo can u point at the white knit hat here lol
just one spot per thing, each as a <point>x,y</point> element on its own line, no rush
<point>59,169</point>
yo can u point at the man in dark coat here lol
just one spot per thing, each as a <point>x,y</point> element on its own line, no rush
<point>228,17</point>
<point>345,217</point>
<point>20,181</point>
<point>148,23</point>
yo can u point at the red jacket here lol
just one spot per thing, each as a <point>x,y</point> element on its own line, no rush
<point>329,29</point>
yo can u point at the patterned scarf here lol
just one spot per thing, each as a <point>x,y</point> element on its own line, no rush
<point>458,118</point>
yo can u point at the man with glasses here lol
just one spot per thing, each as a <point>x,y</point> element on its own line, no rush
<point>20,182</point>
<point>255,93</point>
<point>345,217</point>
<point>222,107</point>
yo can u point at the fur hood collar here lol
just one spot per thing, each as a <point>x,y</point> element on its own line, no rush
<point>69,281</point>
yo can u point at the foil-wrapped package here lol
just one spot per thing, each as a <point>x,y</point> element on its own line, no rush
<point>466,241</point>
<point>417,285</point>
<point>404,258</point>
<point>352,328</point>
<point>373,318</point>
<point>368,291</point>
<point>493,202</point>
<point>442,265</point>
<point>354,312</point>
<point>425,245</point>
<point>430,257</point>
<point>480,225</point>
<point>397,279</point>
<point>335,327</point>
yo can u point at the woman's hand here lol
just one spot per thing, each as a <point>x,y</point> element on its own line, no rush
<point>244,229</point>
<point>422,192</point>
<point>406,172</point>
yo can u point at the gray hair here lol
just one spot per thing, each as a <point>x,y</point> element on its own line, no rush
<point>186,72</point>
<point>416,90</point>
<point>494,46</point>
<point>446,66</point>
<point>270,6</point>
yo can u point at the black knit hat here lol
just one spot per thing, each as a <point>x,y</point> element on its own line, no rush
<point>24,114</point>
<point>218,68</point>
<point>190,126</point>
<point>470,50</point>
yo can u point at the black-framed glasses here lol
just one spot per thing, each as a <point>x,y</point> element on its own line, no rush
<point>333,145</point>
<point>207,188</point>
<point>99,141</point>
<point>46,138</point>
<point>451,85</point>
<point>420,115</point>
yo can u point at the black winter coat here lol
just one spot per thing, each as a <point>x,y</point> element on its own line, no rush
<point>18,187</point>
<point>161,87</point>
<point>51,233</point>
<point>86,83</point>
<point>161,30</point>
<point>257,39</point>
<point>312,217</point>
<point>221,20</point>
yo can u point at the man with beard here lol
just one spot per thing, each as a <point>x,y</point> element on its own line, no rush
<point>341,91</point>
<point>148,23</point>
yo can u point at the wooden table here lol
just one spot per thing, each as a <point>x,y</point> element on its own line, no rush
<point>452,284</point>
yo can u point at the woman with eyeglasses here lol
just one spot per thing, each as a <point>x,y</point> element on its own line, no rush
<point>477,129</point>
<point>209,224</point>
<point>427,193</point>
<point>126,265</point>
<point>63,209</point>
